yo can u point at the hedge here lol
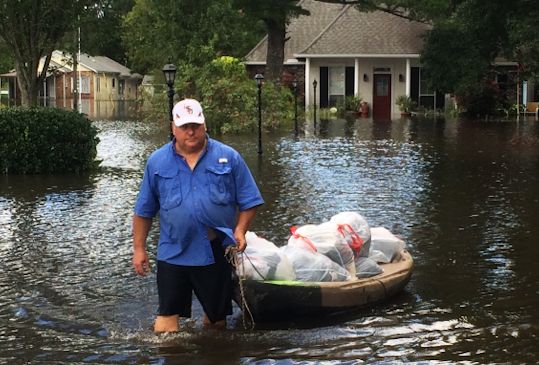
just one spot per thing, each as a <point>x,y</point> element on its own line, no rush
<point>46,140</point>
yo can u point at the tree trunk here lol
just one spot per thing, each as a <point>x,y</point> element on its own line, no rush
<point>29,80</point>
<point>275,51</point>
<point>28,83</point>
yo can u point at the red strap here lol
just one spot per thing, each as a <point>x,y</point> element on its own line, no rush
<point>357,241</point>
<point>298,236</point>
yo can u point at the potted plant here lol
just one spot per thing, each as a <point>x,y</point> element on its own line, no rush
<point>405,104</point>
<point>352,103</point>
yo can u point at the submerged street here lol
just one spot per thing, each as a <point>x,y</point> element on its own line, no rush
<point>464,196</point>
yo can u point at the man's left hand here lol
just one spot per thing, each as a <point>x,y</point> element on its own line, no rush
<point>241,242</point>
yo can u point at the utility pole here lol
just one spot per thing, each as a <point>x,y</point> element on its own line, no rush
<point>74,75</point>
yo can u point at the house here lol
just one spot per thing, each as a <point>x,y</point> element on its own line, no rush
<point>374,55</point>
<point>101,80</point>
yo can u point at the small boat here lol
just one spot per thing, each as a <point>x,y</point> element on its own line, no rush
<point>281,300</point>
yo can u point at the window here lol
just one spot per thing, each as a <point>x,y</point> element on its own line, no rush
<point>427,96</point>
<point>98,83</point>
<point>336,85</point>
<point>113,83</point>
<point>382,86</point>
<point>85,85</point>
<point>121,86</point>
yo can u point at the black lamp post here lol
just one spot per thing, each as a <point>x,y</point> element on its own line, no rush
<point>259,78</point>
<point>314,96</point>
<point>295,85</point>
<point>169,70</point>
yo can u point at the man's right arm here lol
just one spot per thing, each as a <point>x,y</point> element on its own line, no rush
<point>141,228</point>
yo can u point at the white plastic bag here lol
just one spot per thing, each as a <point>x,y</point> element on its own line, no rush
<point>355,230</point>
<point>378,256</point>
<point>262,260</point>
<point>312,266</point>
<point>383,240</point>
<point>326,240</point>
<point>367,267</point>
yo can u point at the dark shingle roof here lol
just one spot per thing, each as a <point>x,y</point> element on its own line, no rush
<point>334,29</point>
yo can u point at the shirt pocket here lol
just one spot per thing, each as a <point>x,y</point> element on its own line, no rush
<point>169,188</point>
<point>220,184</point>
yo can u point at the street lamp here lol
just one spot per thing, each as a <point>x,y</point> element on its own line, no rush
<point>295,85</point>
<point>314,96</point>
<point>169,70</point>
<point>259,78</point>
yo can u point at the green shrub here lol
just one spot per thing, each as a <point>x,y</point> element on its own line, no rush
<point>229,96</point>
<point>353,102</point>
<point>46,140</point>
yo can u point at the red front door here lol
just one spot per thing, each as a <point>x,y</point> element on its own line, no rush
<point>381,103</point>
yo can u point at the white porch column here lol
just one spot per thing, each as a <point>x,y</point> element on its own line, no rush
<point>307,82</point>
<point>356,78</point>
<point>408,77</point>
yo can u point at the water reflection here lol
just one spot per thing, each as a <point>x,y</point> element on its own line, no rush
<point>100,109</point>
<point>464,195</point>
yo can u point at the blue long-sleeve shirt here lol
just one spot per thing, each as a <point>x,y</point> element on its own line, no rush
<point>191,201</point>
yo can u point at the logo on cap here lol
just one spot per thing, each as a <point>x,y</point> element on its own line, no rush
<point>187,111</point>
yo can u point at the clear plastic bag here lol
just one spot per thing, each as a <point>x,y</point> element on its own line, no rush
<point>367,267</point>
<point>262,260</point>
<point>325,239</point>
<point>383,240</point>
<point>355,230</point>
<point>313,266</point>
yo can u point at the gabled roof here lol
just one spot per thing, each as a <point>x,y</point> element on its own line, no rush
<point>97,64</point>
<point>335,30</point>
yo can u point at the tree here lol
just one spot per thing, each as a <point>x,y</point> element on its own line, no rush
<point>32,29</point>
<point>101,28</point>
<point>191,31</point>
<point>6,62</point>
<point>276,15</point>
<point>461,49</point>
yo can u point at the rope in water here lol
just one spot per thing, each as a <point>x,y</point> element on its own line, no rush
<point>231,254</point>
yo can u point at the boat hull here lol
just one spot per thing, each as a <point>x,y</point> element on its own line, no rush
<point>275,301</point>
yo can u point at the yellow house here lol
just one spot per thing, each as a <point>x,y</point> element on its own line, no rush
<point>101,78</point>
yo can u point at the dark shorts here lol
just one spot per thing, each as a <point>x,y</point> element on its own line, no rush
<point>212,285</point>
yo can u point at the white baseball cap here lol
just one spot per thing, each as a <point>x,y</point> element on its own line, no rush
<point>187,111</point>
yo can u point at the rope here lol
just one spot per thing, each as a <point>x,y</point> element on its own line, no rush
<point>305,239</point>
<point>231,255</point>
<point>357,242</point>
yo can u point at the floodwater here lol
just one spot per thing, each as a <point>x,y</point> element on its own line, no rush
<point>463,194</point>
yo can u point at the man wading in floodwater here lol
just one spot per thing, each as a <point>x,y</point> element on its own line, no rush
<point>206,198</point>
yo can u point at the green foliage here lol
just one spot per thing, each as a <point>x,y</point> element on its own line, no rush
<point>31,30</point>
<point>462,47</point>
<point>6,61</point>
<point>46,140</point>
<point>479,101</point>
<point>405,103</point>
<point>101,28</point>
<point>156,31</point>
<point>229,96</point>
<point>352,102</point>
